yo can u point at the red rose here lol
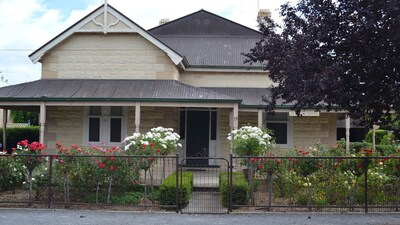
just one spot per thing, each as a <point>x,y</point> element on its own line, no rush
<point>260,166</point>
<point>112,168</point>
<point>112,158</point>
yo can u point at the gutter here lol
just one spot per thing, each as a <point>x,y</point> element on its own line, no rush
<point>45,99</point>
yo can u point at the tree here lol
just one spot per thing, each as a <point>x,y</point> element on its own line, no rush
<point>334,54</point>
<point>25,117</point>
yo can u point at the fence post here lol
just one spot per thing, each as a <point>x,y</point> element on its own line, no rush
<point>366,184</point>
<point>177,183</point>
<point>49,184</point>
<point>230,176</point>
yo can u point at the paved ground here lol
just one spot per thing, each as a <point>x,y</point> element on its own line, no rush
<point>67,217</point>
<point>205,202</point>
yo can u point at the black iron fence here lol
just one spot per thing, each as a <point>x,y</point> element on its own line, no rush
<point>249,184</point>
<point>87,182</point>
<point>320,183</point>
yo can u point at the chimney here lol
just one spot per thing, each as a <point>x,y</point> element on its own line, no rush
<point>163,21</point>
<point>262,14</point>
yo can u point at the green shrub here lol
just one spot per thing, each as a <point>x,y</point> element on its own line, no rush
<point>16,134</point>
<point>12,173</point>
<point>356,147</point>
<point>167,189</point>
<point>240,188</point>
<point>382,137</point>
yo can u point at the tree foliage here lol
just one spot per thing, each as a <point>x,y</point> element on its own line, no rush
<point>25,117</point>
<point>334,54</point>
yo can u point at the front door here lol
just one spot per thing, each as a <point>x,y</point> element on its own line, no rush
<point>198,135</point>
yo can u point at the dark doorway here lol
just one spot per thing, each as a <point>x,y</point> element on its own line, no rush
<point>198,135</point>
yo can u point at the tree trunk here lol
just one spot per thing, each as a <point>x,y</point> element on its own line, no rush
<point>270,191</point>
<point>110,178</point>
<point>30,187</point>
<point>66,186</point>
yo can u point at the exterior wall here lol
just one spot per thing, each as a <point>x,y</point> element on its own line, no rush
<point>110,56</point>
<point>224,130</point>
<point>248,119</point>
<point>153,117</point>
<point>309,131</point>
<point>226,79</point>
<point>63,124</point>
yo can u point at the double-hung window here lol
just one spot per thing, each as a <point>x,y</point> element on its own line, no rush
<point>105,125</point>
<point>280,126</point>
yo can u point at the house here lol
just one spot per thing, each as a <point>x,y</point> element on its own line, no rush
<point>106,77</point>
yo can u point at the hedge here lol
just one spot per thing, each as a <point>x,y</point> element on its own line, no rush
<point>240,188</point>
<point>16,134</point>
<point>167,189</point>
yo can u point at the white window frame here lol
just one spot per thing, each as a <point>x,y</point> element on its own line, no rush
<point>289,126</point>
<point>105,123</point>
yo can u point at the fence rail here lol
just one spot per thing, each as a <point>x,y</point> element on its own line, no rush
<point>321,183</point>
<point>362,184</point>
<point>87,182</point>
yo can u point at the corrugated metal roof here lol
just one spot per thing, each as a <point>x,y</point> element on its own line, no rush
<point>211,50</point>
<point>206,39</point>
<point>110,90</point>
<point>251,97</point>
<point>203,22</point>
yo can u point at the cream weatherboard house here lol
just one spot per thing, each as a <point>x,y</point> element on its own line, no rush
<point>106,77</point>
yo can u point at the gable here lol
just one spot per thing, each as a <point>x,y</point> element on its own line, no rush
<point>111,56</point>
<point>104,19</point>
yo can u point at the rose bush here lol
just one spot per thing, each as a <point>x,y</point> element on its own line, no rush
<point>250,141</point>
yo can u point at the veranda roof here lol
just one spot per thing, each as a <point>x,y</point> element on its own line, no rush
<point>251,97</point>
<point>110,90</point>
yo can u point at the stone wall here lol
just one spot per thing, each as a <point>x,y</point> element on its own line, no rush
<point>153,117</point>
<point>63,124</point>
<point>309,131</point>
<point>227,79</point>
<point>110,56</point>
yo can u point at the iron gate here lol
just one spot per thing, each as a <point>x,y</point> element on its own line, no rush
<point>206,196</point>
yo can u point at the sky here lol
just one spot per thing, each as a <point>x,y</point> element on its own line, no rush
<point>26,25</point>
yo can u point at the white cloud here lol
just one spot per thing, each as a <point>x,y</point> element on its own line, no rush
<point>28,24</point>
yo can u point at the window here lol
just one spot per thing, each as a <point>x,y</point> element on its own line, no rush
<point>279,124</point>
<point>105,124</point>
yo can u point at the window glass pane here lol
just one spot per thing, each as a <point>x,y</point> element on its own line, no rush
<point>182,124</point>
<point>280,132</point>
<point>95,110</point>
<point>213,125</point>
<point>116,110</point>
<point>115,129</point>
<point>278,117</point>
<point>94,129</point>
